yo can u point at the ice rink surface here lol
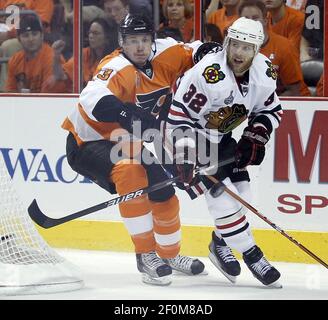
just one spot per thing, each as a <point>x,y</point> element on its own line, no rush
<point>114,276</point>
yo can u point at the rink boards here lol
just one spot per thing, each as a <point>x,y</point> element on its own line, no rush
<point>290,187</point>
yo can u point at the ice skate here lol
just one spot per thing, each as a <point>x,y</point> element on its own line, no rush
<point>186,265</point>
<point>261,268</point>
<point>154,270</point>
<point>223,258</point>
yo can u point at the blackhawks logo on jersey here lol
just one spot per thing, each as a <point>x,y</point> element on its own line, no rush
<point>213,74</point>
<point>227,118</point>
<point>271,71</point>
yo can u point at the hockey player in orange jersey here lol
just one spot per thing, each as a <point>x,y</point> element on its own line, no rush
<point>134,82</point>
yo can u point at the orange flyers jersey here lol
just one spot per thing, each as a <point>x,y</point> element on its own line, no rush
<point>151,89</point>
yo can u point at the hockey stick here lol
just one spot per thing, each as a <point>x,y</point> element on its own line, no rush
<point>224,188</point>
<point>47,222</point>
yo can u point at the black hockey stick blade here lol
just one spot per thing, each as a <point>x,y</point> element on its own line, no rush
<point>46,222</point>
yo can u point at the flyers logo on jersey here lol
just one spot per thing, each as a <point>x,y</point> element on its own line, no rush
<point>154,101</point>
<point>271,71</point>
<point>226,118</point>
<point>213,74</point>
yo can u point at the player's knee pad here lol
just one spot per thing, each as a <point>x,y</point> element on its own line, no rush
<point>130,176</point>
<point>244,190</point>
<point>224,204</point>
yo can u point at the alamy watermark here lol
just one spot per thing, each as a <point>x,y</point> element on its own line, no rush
<point>313,19</point>
<point>128,145</point>
<point>12,21</point>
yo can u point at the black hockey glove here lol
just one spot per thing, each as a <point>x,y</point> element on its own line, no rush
<point>251,147</point>
<point>135,120</point>
<point>184,160</point>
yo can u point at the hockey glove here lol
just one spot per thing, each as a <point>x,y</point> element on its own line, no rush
<point>184,159</point>
<point>251,147</point>
<point>135,120</point>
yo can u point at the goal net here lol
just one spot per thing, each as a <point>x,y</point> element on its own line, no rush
<point>27,264</point>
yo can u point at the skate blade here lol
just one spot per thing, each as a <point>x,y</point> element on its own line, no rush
<point>231,278</point>
<point>160,281</point>
<point>275,285</point>
<point>180,272</point>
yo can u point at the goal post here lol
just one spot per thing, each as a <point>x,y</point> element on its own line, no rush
<point>28,265</point>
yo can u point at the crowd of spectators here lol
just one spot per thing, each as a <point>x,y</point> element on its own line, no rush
<point>38,57</point>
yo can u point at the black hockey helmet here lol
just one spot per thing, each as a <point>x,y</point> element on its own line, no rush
<point>136,23</point>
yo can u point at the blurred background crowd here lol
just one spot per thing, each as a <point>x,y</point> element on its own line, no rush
<point>36,55</point>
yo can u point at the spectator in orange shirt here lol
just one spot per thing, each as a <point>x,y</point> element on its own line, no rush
<point>103,40</point>
<point>279,50</point>
<point>178,14</point>
<point>224,17</point>
<point>8,41</point>
<point>286,21</point>
<point>30,69</point>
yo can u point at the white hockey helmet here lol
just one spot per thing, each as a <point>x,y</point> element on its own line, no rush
<point>246,30</point>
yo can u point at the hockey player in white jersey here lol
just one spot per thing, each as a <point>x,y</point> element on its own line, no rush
<point>229,85</point>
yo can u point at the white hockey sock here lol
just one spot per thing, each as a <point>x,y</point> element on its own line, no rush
<point>235,231</point>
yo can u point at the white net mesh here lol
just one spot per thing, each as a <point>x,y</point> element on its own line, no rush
<point>27,263</point>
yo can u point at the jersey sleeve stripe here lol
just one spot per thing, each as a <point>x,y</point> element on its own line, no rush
<point>178,105</point>
<point>179,114</point>
<point>175,123</point>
